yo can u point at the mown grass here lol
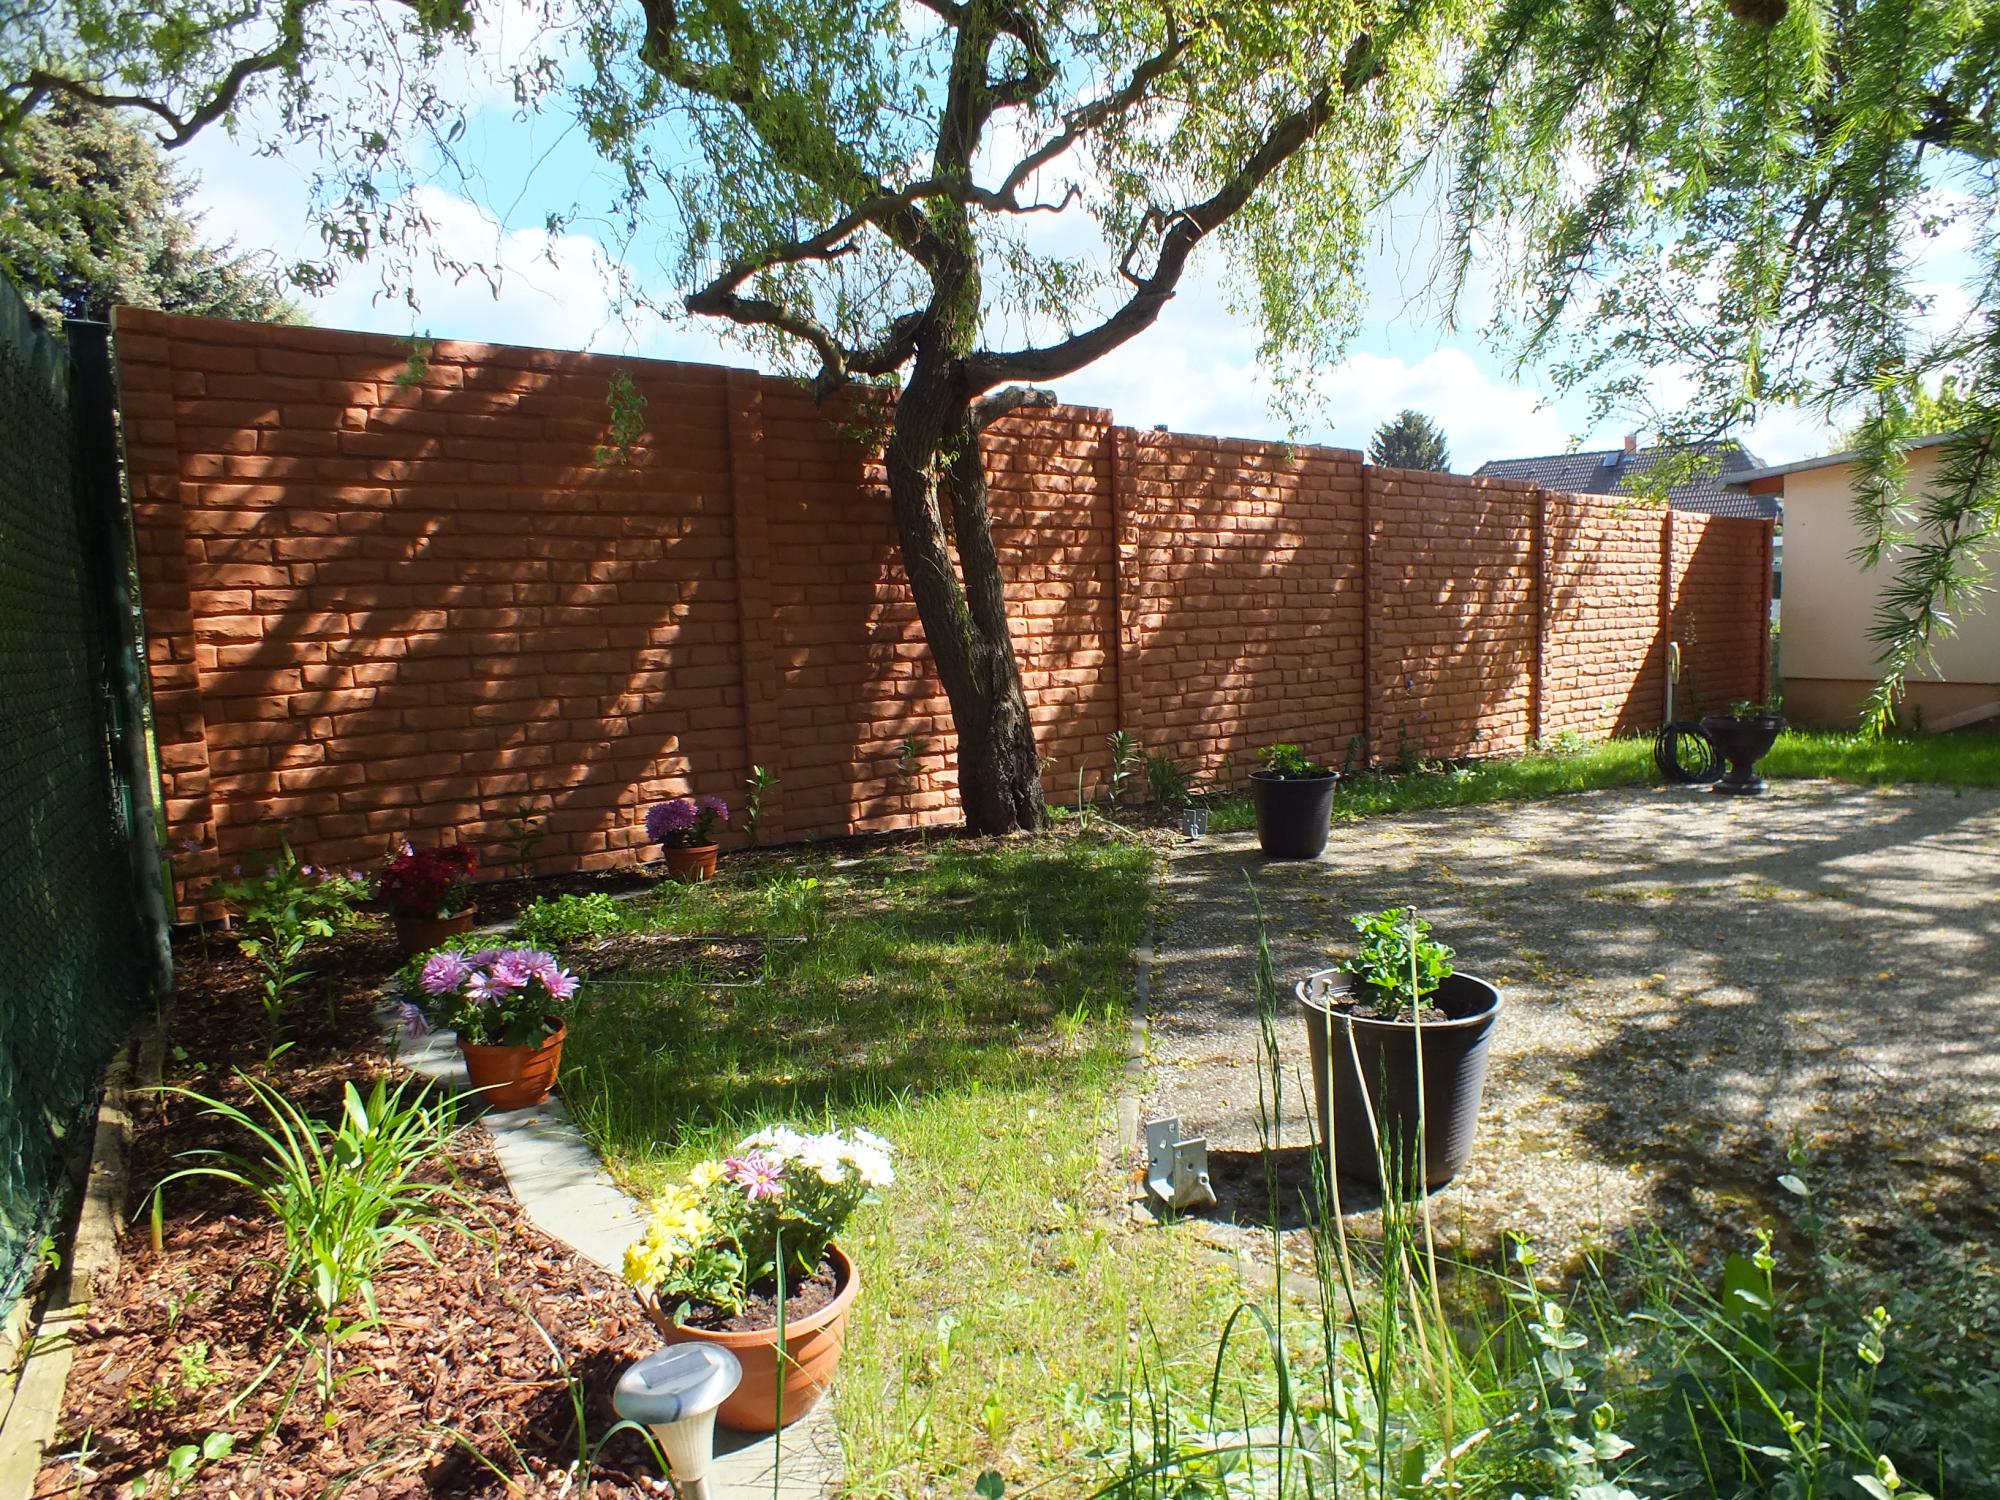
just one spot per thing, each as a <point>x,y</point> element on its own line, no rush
<point>969,1002</point>
<point>1954,760</point>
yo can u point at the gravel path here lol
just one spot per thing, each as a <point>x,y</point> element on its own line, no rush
<point>1690,982</point>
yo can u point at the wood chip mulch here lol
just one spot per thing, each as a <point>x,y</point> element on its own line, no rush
<point>467,1385</point>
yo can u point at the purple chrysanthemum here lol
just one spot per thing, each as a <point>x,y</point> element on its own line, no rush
<point>716,807</point>
<point>509,972</point>
<point>664,819</point>
<point>444,973</point>
<point>412,1017</point>
<point>561,985</point>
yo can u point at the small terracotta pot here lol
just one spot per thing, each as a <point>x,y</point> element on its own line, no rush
<point>812,1343</point>
<point>514,1077</point>
<point>690,861</point>
<point>416,935</point>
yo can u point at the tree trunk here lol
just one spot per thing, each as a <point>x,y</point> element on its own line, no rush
<point>933,461</point>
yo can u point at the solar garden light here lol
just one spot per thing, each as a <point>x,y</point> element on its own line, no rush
<point>1194,821</point>
<point>674,1394</point>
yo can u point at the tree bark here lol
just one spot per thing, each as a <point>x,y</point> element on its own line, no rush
<point>933,463</point>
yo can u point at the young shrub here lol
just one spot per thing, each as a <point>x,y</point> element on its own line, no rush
<point>281,911</point>
<point>567,920</point>
<point>345,1194</point>
<point>1171,787</point>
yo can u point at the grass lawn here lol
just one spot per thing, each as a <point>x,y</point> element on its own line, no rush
<point>969,1002</point>
<point>1956,759</point>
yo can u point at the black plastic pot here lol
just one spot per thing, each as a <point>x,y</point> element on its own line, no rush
<point>1293,813</point>
<point>1371,1067</point>
<point>1742,742</point>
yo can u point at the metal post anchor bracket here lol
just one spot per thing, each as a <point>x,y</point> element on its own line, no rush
<point>1176,1166</point>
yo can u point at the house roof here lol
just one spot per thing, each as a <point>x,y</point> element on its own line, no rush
<point>1613,471</point>
<point>1778,471</point>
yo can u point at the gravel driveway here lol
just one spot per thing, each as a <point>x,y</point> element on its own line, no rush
<point>1690,983</point>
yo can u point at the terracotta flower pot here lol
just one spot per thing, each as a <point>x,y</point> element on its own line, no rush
<point>416,935</point>
<point>812,1343</point>
<point>514,1077</point>
<point>690,861</point>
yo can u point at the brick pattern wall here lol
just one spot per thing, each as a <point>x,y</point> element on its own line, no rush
<point>390,599</point>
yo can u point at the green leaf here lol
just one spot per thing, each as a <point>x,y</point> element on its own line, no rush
<point>990,1486</point>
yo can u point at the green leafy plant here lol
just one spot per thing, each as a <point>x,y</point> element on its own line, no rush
<point>195,1373</point>
<point>758,785</point>
<point>283,910</point>
<point>1171,787</point>
<point>1125,755</point>
<point>526,827</point>
<point>183,1465</point>
<point>910,763</point>
<point>796,904</point>
<point>568,919</point>
<point>344,1194</point>
<point>1397,965</point>
<point>627,408</point>
<point>1291,763</point>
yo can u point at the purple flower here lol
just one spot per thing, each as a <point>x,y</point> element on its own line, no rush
<point>412,1018</point>
<point>356,876</point>
<point>444,973</point>
<point>509,972</point>
<point>305,869</point>
<point>561,985</point>
<point>715,807</point>
<point>479,988</point>
<point>756,1174</point>
<point>666,818</point>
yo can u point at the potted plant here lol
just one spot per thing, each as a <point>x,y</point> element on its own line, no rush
<point>1399,1039</point>
<point>1294,797</point>
<point>717,1246</point>
<point>685,831</point>
<point>506,1005</point>
<point>429,892</point>
<point>1742,737</point>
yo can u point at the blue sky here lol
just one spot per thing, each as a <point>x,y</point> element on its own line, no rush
<point>1194,371</point>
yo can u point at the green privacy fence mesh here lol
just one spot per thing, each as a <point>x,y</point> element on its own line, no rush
<point>70,934</point>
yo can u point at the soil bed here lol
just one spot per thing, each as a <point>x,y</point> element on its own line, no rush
<point>760,1308</point>
<point>464,1385</point>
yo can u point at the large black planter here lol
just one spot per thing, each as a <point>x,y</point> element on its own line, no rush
<point>1293,813</point>
<point>1742,742</point>
<point>1370,1062</point>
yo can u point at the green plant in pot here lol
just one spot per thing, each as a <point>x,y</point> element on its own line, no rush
<point>1399,1040</point>
<point>1294,799</point>
<point>1742,737</point>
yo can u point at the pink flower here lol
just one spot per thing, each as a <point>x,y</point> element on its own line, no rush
<point>757,1174</point>
<point>412,1018</point>
<point>444,973</point>
<point>562,986</point>
<point>509,972</point>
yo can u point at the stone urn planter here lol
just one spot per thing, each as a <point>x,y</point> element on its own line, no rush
<point>813,1346</point>
<point>690,862</point>
<point>1366,1067</point>
<point>514,1077</point>
<point>416,935</point>
<point>1742,740</point>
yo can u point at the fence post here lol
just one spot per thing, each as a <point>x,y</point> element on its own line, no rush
<point>1368,716</point>
<point>749,527</point>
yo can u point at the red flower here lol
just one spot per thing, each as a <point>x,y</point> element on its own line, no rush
<point>429,882</point>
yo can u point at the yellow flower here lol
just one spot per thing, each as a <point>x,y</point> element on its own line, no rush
<point>706,1175</point>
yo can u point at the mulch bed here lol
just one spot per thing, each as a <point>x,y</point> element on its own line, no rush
<point>467,1384</point>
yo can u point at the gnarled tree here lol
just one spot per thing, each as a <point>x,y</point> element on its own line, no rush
<point>962,198</point>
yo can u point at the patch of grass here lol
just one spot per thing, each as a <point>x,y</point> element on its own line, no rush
<point>1624,762</point>
<point>1950,760</point>
<point>967,1001</point>
<point>1946,759</point>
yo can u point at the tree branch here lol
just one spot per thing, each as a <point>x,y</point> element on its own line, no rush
<point>1183,231</point>
<point>990,410</point>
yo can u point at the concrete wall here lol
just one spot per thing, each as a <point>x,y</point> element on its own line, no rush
<point>386,602</point>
